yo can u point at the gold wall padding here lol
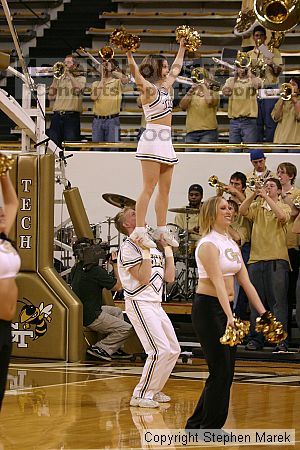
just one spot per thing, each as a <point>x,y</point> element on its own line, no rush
<point>48,321</point>
<point>13,173</point>
<point>77,213</point>
<point>4,60</point>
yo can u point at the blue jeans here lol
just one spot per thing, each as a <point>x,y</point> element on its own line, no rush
<point>106,130</point>
<point>64,127</point>
<point>271,280</point>
<point>205,136</point>
<point>265,124</point>
<point>241,307</point>
<point>242,129</point>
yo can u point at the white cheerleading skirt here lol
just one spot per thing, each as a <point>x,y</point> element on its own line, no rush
<point>155,144</point>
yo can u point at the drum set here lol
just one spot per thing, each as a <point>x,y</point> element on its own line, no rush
<point>182,289</point>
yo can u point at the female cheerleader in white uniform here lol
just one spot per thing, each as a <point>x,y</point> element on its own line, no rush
<point>9,267</point>
<point>155,149</point>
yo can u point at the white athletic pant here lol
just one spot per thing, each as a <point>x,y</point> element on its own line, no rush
<point>157,335</point>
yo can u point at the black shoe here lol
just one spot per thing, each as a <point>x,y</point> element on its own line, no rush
<point>281,348</point>
<point>252,346</point>
<point>120,354</point>
<point>99,353</point>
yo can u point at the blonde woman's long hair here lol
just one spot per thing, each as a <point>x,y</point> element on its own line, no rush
<point>208,214</point>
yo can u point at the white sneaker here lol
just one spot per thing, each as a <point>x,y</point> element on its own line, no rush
<point>143,238</point>
<point>143,402</point>
<point>167,236</point>
<point>160,397</point>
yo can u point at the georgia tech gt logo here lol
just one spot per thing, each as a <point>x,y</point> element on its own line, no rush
<point>232,255</point>
<point>33,315</point>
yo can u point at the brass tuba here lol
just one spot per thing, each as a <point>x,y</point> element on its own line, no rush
<point>277,15</point>
<point>245,23</point>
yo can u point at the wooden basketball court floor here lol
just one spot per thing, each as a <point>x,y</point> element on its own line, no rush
<point>56,405</point>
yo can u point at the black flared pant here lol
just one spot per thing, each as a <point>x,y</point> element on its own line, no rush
<point>209,322</point>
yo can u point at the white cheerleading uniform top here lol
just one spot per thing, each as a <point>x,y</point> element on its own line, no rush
<point>10,261</point>
<point>160,107</point>
<point>129,256</point>
<point>230,258</point>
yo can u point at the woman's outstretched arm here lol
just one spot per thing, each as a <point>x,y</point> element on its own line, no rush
<point>145,87</point>
<point>176,66</point>
<point>10,199</point>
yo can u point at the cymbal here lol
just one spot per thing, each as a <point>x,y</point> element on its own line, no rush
<point>185,210</point>
<point>119,200</point>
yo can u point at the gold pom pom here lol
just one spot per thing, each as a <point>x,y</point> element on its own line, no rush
<point>124,40</point>
<point>271,328</point>
<point>235,335</point>
<point>191,37</point>
<point>6,163</point>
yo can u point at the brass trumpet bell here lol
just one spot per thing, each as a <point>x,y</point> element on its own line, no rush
<point>296,202</point>
<point>214,182</point>
<point>277,15</point>
<point>242,60</point>
<point>286,91</point>
<point>106,53</point>
<point>59,70</point>
<point>198,75</point>
<point>253,182</point>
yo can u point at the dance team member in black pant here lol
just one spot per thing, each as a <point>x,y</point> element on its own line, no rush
<point>218,259</point>
<point>9,267</point>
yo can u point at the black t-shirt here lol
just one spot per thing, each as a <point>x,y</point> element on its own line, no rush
<point>88,287</point>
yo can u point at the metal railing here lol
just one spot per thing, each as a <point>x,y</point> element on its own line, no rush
<point>181,146</point>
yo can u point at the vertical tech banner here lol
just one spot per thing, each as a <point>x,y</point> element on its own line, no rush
<point>48,322</point>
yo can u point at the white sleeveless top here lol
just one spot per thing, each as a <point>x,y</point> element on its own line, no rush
<point>160,107</point>
<point>10,261</point>
<point>230,258</point>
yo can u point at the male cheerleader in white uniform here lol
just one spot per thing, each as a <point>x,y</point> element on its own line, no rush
<point>142,273</point>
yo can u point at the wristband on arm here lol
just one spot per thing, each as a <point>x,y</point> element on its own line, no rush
<point>146,253</point>
<point>168,252</point>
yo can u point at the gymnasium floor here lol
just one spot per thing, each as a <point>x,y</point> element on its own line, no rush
<point>53,405</point>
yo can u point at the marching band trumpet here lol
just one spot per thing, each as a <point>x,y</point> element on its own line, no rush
<point>199,75</point>
<point>106,53</point>
<point>254,183</point>
<point>243,60</point>
<point>59,70</point>
<point>214,182</point>
<point>296,202</point>
<point>286,91</point>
